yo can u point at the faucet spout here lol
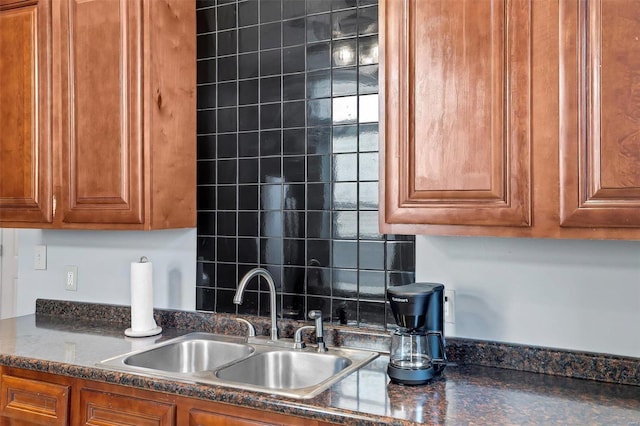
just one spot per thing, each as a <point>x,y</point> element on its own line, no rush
<point>260,272</point>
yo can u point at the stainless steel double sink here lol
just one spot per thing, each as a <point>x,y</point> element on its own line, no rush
<point>231,361</point>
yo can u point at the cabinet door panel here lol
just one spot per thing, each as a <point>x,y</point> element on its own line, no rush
<point>600,113</point>
<point>103,408</point>
<point>206,418</point>
<point>457,112</point>
<point>34,401</point>
<point>102,152</point>
<point>25,110</point>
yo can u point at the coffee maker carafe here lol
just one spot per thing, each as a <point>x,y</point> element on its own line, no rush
<point>417,346</point>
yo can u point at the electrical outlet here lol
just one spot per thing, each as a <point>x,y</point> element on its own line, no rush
<point>450,306</point>
<point>40,257</point>
<point>71,278</point>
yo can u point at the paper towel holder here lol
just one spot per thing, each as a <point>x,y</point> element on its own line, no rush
<point>130,332</point>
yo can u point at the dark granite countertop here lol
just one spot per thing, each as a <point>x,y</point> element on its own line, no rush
<point>465,395</point>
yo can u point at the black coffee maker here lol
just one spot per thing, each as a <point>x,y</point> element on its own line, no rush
<point>417,346</point>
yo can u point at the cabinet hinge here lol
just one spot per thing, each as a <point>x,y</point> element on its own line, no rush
<point>54,206</point>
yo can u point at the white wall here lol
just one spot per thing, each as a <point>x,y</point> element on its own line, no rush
<point>570,294</point>
<point>103,259</point>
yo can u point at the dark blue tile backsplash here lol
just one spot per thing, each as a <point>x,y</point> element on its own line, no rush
<point>288,160</point>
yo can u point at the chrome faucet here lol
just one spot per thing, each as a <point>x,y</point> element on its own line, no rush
<point>260,272</point>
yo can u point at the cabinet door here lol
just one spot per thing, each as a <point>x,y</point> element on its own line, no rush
<point>34,402</point>
<point>25,113</point>
<point>101,110</point>
<point>207,418</point>
<point>600,113</point>
<point>456,114</point>
<point>104,408</point>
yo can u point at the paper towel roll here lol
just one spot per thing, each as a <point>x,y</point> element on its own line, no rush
<point>142,322</point>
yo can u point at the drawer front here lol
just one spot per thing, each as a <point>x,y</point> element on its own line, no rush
<point>34,401</point>
<point>103,408</point>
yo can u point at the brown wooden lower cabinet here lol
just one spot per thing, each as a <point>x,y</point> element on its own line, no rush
<point>34,398</point>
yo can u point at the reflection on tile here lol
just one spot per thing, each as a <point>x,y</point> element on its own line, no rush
<point>345,254</point>
<point>343,4</point>
<point>368,137</point>
<point>226,275</point>
<point>205,299</point>
<point>227,119</point>
<point>271,224</point>
<point>293,32</point>
<point>345,312</point>
<point>368,196</point>
<point>319,282</point>
<point>319,112</point>
<point>319,140</point>
<point>368,167</point>
<point>293,169</point>
<point>319,84</point>
<point>248,118</point>
<point>368,225</point>
<point>206,71</point>
<point>371,314</point>
<point>206,247</point>
<point>206,121</point>
<point>206,97</point>
<point>270,197</point>
<point>206,45</point>
<point>318,224</point>
<point>368,108</point>
<point>368,82</point>
<point>395,278</point>
<point>345,196</point>
<point>318,27</point>
<point>345,139</point>
<point>319,252</point>
<point>345,110</point>
<point>344,23</point>
<point>206,21</point>
<point>371,255</point>
<point>400,256</point>
<point>345,225</point>
<point>345,81</point>
<point>294,251</point>
<point>344,53</point>
<point>368,50</point>
<point>318,168</point>
<point>371,285</point>
<point>315,6</point>
<point>318,196</point>
<point>293,9</point>
<point>294,196</point>
<point>318,56</point>
<point>345,284</point>
<point>368,20</point>
<point>345,168</point>
<point>293,282</point>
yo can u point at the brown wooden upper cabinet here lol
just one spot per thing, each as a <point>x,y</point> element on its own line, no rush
<point>100,103</point>
<point>511,118</point>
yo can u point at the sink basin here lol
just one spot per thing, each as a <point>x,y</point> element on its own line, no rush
<point>229,361</point>
<point>189,356</point>
<point>285,369</point>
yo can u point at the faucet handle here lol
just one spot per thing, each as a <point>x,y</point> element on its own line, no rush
<point>251,330</point>
<point>317,316</point>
